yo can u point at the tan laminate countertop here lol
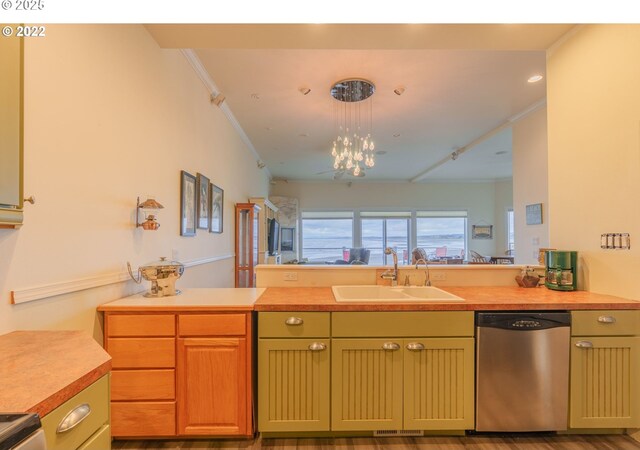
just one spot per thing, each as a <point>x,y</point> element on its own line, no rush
<point>476,298</point>
<point>40,370</point>
<point>193,299</point>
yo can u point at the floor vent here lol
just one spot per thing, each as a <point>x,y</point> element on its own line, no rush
<point>391,433</point>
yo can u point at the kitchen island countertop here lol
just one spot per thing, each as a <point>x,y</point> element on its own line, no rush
<point>476,298</point>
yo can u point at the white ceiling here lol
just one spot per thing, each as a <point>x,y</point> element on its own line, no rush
<point>452,97</point>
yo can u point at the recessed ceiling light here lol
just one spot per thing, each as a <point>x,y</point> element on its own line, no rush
<point>381,152</point>
<point>399,90</point>
<point>534,78</point>
<point>268,128</point>
<point>396,135</point>
<point>304,90</point>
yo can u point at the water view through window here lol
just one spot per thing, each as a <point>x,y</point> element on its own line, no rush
<point>328,239</point>
<point>323,240</point>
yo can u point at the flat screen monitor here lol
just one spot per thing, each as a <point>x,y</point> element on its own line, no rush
<point>274,235</point>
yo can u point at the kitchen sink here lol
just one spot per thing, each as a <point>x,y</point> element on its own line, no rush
<point>392,294</point>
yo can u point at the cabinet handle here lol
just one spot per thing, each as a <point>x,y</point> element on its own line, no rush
<point>31,200</point>
<point>317,347</point>
<point>607,319</point>
<point>584,344</point>
<point>415,346</point>
<point>294,321</point>
<point>390,346</point>
<point>74,418</point>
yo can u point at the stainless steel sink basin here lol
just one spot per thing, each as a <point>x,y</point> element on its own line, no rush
<point>392,294</point>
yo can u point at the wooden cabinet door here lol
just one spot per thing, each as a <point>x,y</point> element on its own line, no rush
<point>605,372</point>
<point>366,382</point>
<point>438,384</point>
<point>293,391</point>
<point>213,386</point>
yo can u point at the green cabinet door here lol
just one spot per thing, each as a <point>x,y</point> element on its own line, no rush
<point>366,384</point>
<point>605,372</point>
<point>293,384</point>
<point>438,384</point>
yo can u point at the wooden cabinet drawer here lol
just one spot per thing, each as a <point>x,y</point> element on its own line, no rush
<point>294,324</point>
<point>212,324</point>
<point>402,324</point>
<point>143,419</point>
<point>140,353</point>
<point>101,440</point>
<point>96,397</point>
<point>605,323</point>
<point>122,325</point>
<point>143,384</point>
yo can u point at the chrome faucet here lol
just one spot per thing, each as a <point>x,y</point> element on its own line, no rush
<point>427,280</point>
<point>388,275</point>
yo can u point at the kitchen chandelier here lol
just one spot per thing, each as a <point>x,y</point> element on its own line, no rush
<point>353,149</point>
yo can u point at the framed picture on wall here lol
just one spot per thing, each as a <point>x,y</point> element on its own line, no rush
<point>286,239</point>
<point>482,231</point>
<point>534,214</point>
<point>202,201</point>
<point>187,204</point>
<point>217,208</point>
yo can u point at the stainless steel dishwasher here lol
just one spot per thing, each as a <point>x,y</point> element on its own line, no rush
<point>522,364</point>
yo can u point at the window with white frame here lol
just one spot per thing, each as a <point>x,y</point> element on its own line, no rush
<point>380,230</point>
<point>443,234</point>
<point>326,235</point>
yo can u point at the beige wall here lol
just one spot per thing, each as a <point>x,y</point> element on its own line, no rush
<point>109,116</point>
<point>594,151</point>
<point>484,202</point>
<point>530,168</point>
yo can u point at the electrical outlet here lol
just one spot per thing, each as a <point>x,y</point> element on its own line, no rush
<point>439,276</point>
<point>291,276</point>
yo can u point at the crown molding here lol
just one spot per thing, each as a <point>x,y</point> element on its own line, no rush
<point>213,89</point>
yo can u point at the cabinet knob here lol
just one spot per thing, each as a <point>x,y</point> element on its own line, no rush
<point>294,321</point>
<point>74,418</point>
<point>607,319</point>
<point>391,346</point>
<point>317,347</point>
<point>415,346</point>
<point>584,344</point>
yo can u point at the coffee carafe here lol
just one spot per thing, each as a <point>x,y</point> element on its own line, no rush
<point>562,270</point>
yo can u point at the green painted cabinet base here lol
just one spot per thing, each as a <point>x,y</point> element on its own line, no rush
<point>293,384</point>
<point>366,384</point>
<point>439,384</point>
<point>605,377</point>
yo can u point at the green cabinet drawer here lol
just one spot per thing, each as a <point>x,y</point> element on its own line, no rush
<point>97,397</point>
<point>293,324</point>
<point>402,324</point>
<point>101,440</point>
<point>605,323</point>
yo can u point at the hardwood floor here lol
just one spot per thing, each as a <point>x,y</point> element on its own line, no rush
<point>501,442</point>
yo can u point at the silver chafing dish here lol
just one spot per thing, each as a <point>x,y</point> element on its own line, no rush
<point>162,274</point>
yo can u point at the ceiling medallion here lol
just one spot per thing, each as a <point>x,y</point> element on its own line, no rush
<point>353,150</point>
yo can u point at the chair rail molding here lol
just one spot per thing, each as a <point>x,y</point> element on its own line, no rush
<point>30,294</point>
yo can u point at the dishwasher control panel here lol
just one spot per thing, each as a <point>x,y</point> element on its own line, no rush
<point>523,321</point>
